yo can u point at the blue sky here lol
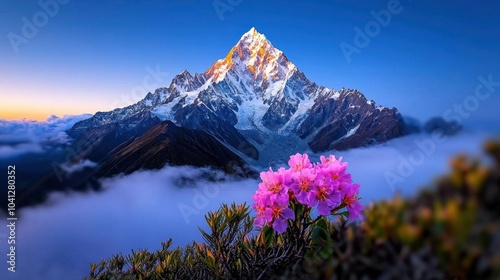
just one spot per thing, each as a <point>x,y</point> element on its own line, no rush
<point>89,54</point>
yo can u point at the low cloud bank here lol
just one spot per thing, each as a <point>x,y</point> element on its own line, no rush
<point>23,137</point>
<point>58,240</point>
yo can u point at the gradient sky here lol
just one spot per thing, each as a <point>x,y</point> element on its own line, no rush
<point>91,53</point>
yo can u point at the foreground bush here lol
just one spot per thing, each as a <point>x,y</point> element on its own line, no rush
<point>449,231</point>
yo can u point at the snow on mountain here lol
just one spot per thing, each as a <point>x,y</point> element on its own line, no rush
<point>252,77</point>
<point>255,97</point>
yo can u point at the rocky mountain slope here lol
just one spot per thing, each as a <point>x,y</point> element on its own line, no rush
<point>255,102</point>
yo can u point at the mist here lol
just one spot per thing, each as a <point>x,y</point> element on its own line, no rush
<point>25,137</point>
<point>59,239</point>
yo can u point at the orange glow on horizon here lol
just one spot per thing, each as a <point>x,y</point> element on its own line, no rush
<point>40,114</point>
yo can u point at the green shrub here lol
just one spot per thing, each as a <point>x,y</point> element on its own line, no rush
<point>448,231</point>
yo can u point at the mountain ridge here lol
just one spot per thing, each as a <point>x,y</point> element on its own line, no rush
<point>255,97</point>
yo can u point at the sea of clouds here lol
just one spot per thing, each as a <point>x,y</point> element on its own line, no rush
<point>26,136</point>
<point>59,239</point>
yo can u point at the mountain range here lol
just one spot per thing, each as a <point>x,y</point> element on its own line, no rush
<point>253,106</point>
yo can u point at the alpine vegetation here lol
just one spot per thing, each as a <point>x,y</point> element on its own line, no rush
<point>449,231</point>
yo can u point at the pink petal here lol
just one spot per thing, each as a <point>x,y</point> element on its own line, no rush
<point>324,209</point>
<point>259,221</point>
<point>288,214</point>
<point>279,225</point>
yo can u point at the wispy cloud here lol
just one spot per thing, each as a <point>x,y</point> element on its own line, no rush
<point>21,137</point>
<point>370,166</point>
<point>59,239</point>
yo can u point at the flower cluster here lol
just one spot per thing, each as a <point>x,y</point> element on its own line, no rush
<point>325,185</point>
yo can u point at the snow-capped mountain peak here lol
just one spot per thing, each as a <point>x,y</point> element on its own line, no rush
<point>257,102</point>
<point>253,57</point>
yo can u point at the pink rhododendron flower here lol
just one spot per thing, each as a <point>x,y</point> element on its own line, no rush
<point>303,183</point>
<point>329,159</point>
<point>326,197</point>
<point>325,185</point>
<point>334,170</point>
<point>352,202</point>
<point>275,184</point>
<point>278,215</point>
<point>259,206</point>
<point>298,162</point>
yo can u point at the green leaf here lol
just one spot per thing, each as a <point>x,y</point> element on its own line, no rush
<point>344,214</point>
<point>268,235</point>
<point>319,235</point>
<point>299,210</point>
<point>322,224</point>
